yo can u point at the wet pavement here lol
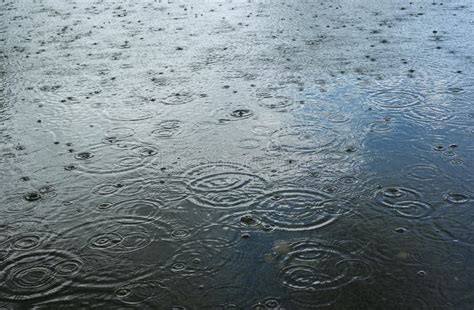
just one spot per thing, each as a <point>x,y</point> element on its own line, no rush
<point>237,154</point>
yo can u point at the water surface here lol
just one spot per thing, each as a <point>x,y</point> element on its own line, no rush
<point>236,154</point>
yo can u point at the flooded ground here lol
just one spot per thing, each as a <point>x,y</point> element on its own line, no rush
<point>237,155</point>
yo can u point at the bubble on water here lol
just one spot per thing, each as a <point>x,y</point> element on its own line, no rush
<point>32,196</point>
<point>83,155</point>
<point>241,113</point>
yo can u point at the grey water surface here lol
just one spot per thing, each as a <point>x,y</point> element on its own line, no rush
<point>237,154</point>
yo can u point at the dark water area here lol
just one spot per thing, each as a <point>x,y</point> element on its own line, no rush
<point>237,154</point>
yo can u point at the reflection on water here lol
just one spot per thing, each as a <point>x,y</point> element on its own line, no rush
<point>236,155</point>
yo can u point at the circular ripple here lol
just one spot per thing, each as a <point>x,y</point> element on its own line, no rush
<point>454,90</point>
<point>435,255</point>
<point>180,234</point>
<point>413,209</point>
<point>37,274</point>
<point>202,257</point>
<point>29,241</point>
<point>404,202</point>
<point>223,185</point>
<point>116,235</point>
<point>167,189</point>
<point>128,113</point>
<point>422,172</point>
<point>396,99</point>
<point>26,242</point>
<point>211,249</point>
<point>115,134</point>
<point>456,198</point>
<point>241,113</point>
<point>272,303</point>
<point>303,139</point>
<point>21,203</point>
<point>431,115</point>
<point>146,210</point>
<point>24,235</point>
<point>140,292</point>
<point>388,196</point>
<point>348,180</point>
<point>279,103</point>
<point>168,129</point>
<point>115,158</point>
<point>338,118</point>
<point>381,126</point>
<point>314,265</point>
<point>249,143</point>
<point>178,98</point>
<point>299,210</point>
<point>105,189</point>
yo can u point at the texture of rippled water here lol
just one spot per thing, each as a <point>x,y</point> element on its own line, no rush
<point>236,154</point>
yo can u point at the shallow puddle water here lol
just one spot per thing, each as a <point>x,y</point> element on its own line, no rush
<point>236,154</point>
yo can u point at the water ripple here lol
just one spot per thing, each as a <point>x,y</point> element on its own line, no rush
<point>123,234</point>
<point>292,209</point>
<point>422,172</point>
<point>280,103</point>
<point>223,185</point>
<point>203,257</point>
<point>128,113</point>
<point>168,129</point>
<point>136,293</point>
<point>114,158</point>
<point>396,98</point>
<point>316,265</point>
<point>37,274</point>
<point>179,98</point>
<point>303,139</point>
<point>404,202</point>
